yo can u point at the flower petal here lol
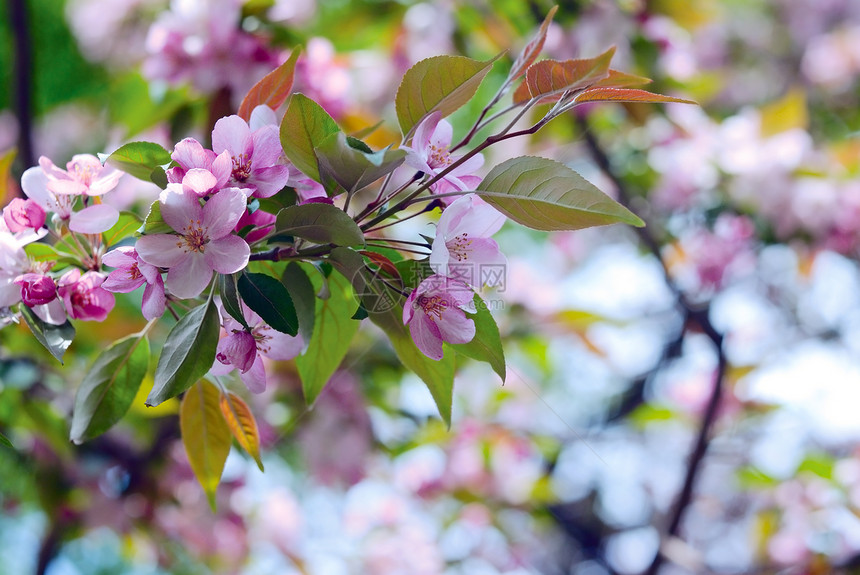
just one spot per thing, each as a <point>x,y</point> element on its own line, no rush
<point>122,281</point>
<point>277,345</point>
<point>154,301</point>
<point>198,181</point>
<point>164,250</point>
<point>94,219</point>
<point>34,182</point>
<point>108,180</point>
<point>179,208</point>
<point>269,181</point>
<point>227,255</point>
<point>189,153</point>
<point>267,146</point>
<point>255,378</point>
<point>232,134</point>
<point>455,326</point>
<point>262,115</point>
<point>120,257</point>
<point>426,335</point>
<point>189,277</point>
<point>223,211</point>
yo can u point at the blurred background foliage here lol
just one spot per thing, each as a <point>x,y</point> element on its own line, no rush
<point>678,401</point>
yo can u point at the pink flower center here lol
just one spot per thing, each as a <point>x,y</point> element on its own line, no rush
<point>194,239</point>
<point>433,306</point>
<point>84,174</point>
<point>241,167</point>
<point>439,156</point>
<point>459,246</point>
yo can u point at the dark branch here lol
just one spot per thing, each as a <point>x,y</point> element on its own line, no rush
<point>22,81</point>
<point>692,314</point>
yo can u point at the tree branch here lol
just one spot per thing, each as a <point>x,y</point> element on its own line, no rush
<point>22,81</point>
<point>692,314</point>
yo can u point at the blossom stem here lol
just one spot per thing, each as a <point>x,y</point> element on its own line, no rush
<point>505,134</point>
<point>405,242</point>
<point>420,253</point>
<point>403,219</point>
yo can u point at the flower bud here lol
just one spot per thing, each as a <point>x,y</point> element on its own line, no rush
<point>21,214</point>
<point>36,289</point>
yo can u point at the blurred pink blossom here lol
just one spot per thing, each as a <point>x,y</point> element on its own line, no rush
<point>83,296</point>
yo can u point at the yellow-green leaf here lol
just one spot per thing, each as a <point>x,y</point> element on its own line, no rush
<point>785,114</point>
<point>242,424</point>
<point>441,83</point>
<point>547,195</point>
<point>205,435</point>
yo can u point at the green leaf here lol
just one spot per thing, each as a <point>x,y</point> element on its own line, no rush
<point>334,329</point>
<point>159,177</point>
<point>242,424</point>
<point>320,223</point>
<point>272,89</point>
<point>5,441</point>
<point>271,300</point>
<point>548,80</point>
<point>55,338</point>
<point>305,125</point>
<point>139,159</point>
<point>303,295</point>
<point>353,168</point>
<point>109,387</point>
<point>125,227</point>
<point>188,353</point>
<point>154,223</point>
<point>205,435</point>
<point>487,343</point>
<point>441,83</point>
<point>40,252</point>
<point>438,376</point>
<point>230,298</point>
<point>413,272</point>
<point>547,195</point>
<point>385,309</point>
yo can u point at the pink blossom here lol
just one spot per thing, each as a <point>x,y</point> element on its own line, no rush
<point>202,42</point>
<point>36,289</point>
<point>323,78</point>
<point>132,272</point>
<point>203,242</point>
<point>83,176</point>
<point>307,189</point>
<point>199,169</point>
<point>21,214</point>
<point>256,155</point>
<point>434,313</point>
<point>56,190</point>
<point>463,249</point>
<point>245,349</point>
<point>83,295</point>
<point>13,264</point>
<point>429,153</point>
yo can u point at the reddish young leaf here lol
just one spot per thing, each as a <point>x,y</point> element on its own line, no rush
<point>383,262</point>
<point>532,49</point>
<point>549,79</point>
<point>273,89</point>
<point>625,95</point>
<point>242,424</point>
